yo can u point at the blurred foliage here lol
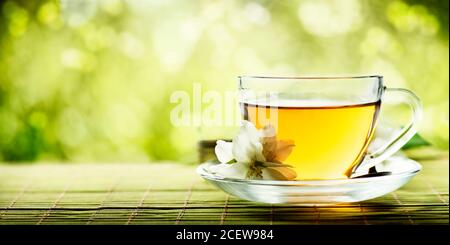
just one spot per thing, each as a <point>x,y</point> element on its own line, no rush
<point>91,80</point>
<point>415,141</point>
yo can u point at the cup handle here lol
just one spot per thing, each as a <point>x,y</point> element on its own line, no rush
<point>401,138</point>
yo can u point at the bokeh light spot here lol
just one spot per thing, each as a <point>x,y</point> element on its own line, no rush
<point>257,14</point>
<point>76,59</point>
<point>415,18</point>
<point>329,18</point>
<point>18,18</point>
<point>76,13</point>
<point>48,13</point>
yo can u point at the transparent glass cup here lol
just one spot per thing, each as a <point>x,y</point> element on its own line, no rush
<point>329,121</point>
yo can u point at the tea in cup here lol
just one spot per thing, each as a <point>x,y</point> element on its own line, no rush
<point>330,120</point>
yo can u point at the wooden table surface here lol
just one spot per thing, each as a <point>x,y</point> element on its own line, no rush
<point>172,193</point>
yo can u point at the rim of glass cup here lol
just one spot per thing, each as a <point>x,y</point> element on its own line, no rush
<point>310,77</point>
<point>244,79</point>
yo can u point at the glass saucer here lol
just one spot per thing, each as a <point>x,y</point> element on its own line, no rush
<point>318,192</point>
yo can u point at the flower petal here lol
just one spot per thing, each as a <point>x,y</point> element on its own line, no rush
<point>224,151</point>
<point>279,173</point>
<point>242,149</point>
<point>268,131</point>
<point>253,135</point>
<point>248,129</point>
<point>284,149</point>
<point>246,145</point>
<point>235,170</point>
<point>269,148</point>
<point>259,156</point>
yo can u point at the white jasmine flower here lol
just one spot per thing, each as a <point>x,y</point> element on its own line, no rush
<point>254,154</point>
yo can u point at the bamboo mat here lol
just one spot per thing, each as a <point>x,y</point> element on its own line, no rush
<point>171,193</point>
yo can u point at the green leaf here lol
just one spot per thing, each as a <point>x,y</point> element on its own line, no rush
<point>415,141</point>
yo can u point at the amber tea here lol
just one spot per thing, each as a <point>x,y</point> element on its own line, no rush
<point>329,137</point>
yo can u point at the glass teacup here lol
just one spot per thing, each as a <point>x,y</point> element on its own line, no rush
<point>330,120</point>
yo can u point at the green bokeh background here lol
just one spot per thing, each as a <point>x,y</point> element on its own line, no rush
<point>91,80</point>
